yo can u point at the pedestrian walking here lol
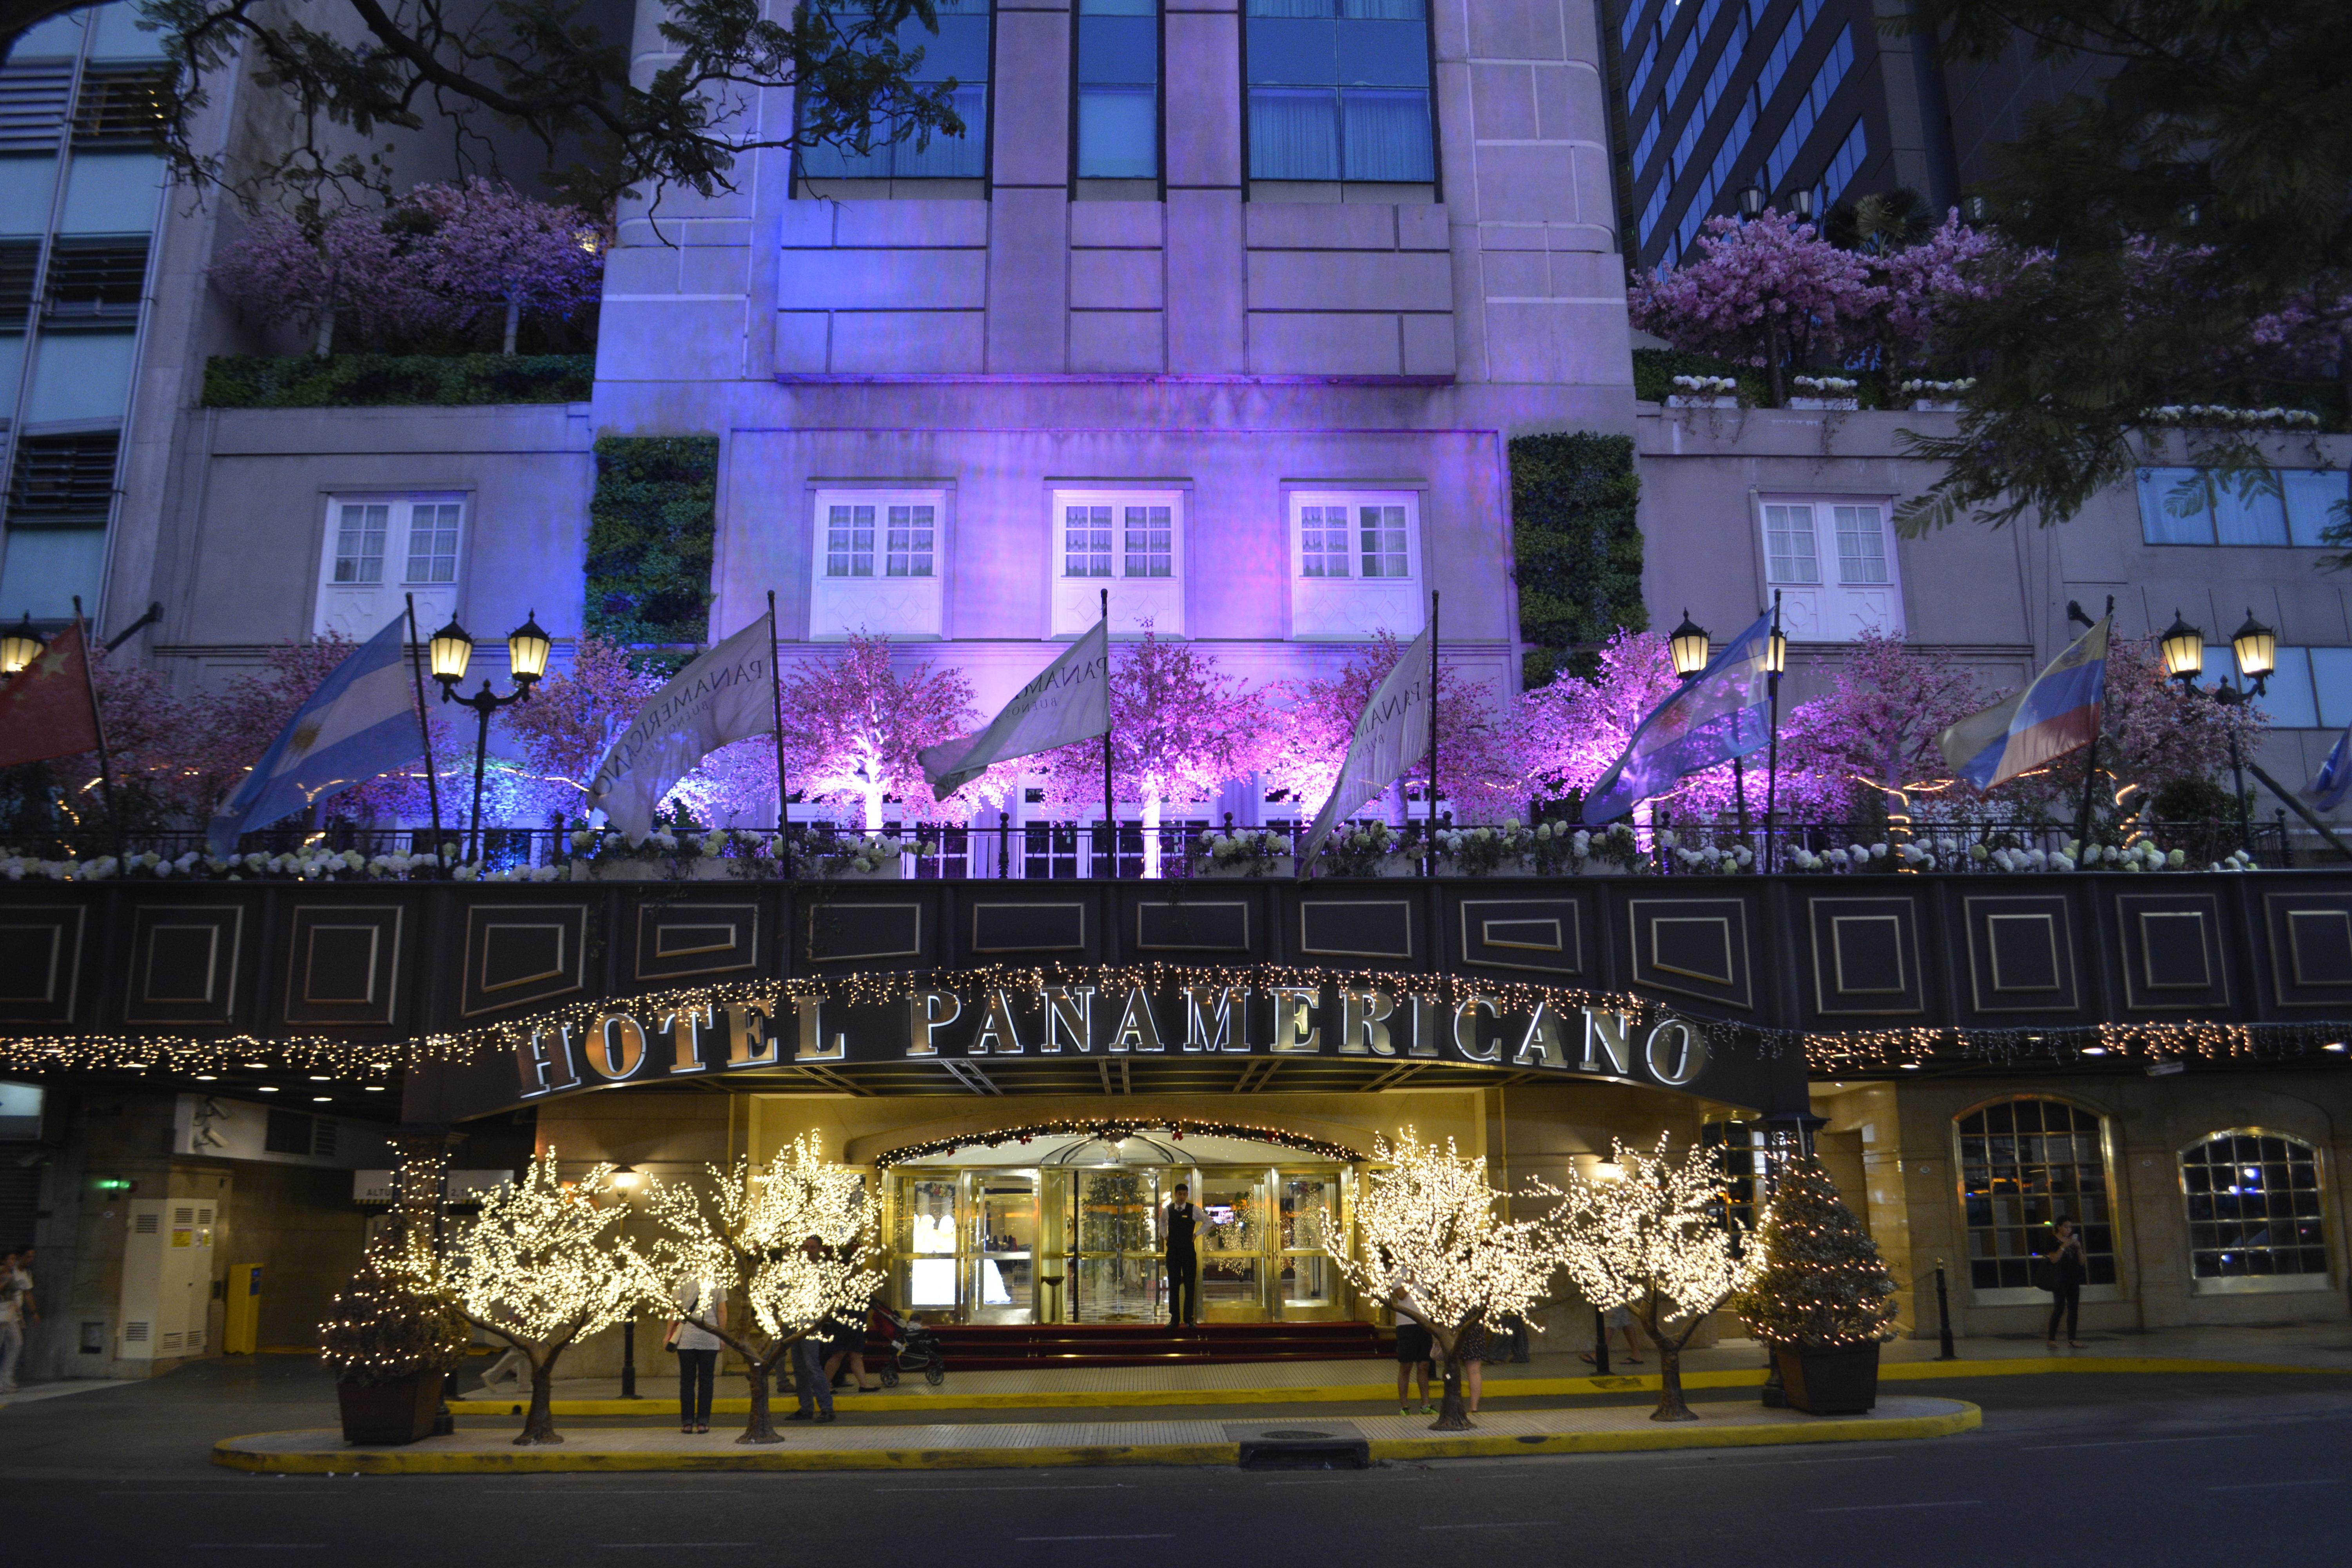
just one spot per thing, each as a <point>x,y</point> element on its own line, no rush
<point>2061,1271</point>
<point>1615,1320</point>
<point>14,1291</point>
<point>811,1386</point>
<point>1412,1345</point>
<point>846,1342</point>
<point>1470,1355</point>
<point>697,1349</point>
<point>1182,1219</point>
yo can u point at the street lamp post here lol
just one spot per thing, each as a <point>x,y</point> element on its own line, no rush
<point>1776,662</point>
<point>20,646</point>
<point>2255,648</point>
<point>451,652</point>
<point>1690,647</point>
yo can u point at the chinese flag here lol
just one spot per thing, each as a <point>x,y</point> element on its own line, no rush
<point>46,710</point>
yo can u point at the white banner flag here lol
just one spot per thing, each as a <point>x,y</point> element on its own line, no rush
<point>1392,735</point>
<point>725,695</point>
<point>1069,702</point>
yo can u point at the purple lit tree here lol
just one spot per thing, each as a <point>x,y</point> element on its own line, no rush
<point>1476,769</point>
<point>491,249</point>
<point>1181,728</point>
<point>575,716</point>
<point>347,266</point>
<point>1875,732</point>
<point>859,723</point>
<point>1768,290</point>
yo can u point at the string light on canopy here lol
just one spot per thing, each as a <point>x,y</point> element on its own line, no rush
<point>751,1233</point>
<point>1656,1242</point>
<point>1435,1246</point>
<point>542,1264</point>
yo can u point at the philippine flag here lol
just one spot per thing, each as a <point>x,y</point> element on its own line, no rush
<point>2058,712</point>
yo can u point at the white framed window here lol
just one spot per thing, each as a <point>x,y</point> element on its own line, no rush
<point>1130,541</point>
<point>1832,559</point>
<point>1354,563</point>
<point>379,549</point>
<point>876,563</point>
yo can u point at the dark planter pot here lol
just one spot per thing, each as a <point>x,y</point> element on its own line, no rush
<point>1841,1381</point>
<point>389,1412</point>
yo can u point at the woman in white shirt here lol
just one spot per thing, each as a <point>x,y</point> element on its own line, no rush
<point>697,1349</point>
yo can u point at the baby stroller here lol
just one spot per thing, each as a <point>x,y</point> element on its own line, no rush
<point>913,1348</point>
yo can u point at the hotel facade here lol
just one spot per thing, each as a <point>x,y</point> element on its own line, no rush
<point>1232,311</point>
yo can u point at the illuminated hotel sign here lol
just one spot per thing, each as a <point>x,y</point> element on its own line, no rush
<point>1338,1021</point>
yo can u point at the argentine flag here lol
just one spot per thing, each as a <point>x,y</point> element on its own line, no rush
<point>1718,714</point>
<point>362,723</point>
<point>2326,792</point>
<point>2058,712</point>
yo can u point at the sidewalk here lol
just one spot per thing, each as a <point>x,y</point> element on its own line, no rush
<point>1056,1442</point>
<point>1733,1364</point>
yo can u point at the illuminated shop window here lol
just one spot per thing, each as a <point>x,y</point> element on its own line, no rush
<point>1356,564</point>
<point>379,549</point>
<point>2255,1210</point>
<point>877,563</point>
<point>1128,541</point>
<point>2026,1164</point>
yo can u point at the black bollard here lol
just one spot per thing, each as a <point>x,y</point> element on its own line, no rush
<point>1943,1316</point>
<point>629,1359</point>
<point>1600,1343</point>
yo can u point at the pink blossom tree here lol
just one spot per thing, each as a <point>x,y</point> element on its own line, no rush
<point>1476,769</point>
<point>1922,282</point>
<point>349,265</point>
<point>491,248</point>
<point>1876,729</point>
<point>859,723</point>
<point>1181,730</point>
<point>575,716</point>
<point>1767,290</point>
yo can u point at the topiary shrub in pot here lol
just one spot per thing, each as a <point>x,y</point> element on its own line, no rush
<point>391,1336</point>
<point>1824,1302</point>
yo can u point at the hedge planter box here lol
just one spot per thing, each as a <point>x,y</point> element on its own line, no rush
<point>390,1413</point>
<point>1278,866</point>
<point>702,868</point>
<point>1693,400</point>
<point>1841,1382</point>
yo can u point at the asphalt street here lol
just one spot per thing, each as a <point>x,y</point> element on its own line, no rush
<point>2144,1470</point>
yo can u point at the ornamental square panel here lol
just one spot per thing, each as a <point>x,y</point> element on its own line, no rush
<point>2021,954</point>
<point>1356,927</point>
<point>343,964</point>
<point>517,954</point>
<point>2173,959</point>
<point>1193,925</point>
<point>678,939</point>
<point>40,963</point>
<point>184,963</point>
<point>1544,936</point>
<point>837,931</point>
<point>1055,926</point>
<point>1693,947</point>
<point>2311,947</point>
<point>1866,957</point>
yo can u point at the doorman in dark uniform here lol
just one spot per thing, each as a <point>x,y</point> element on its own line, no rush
<point>1183,1259</point>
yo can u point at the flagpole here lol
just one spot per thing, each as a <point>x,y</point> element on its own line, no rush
<point>98,728</point>
<point>1433,730</point>
<point>424,728</point>
<point>1110,823</point>
<point>1778,649</point>
<point>2090,774</point>
<point>783,798</point>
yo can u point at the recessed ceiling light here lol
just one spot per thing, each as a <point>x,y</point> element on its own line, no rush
<point>253,1066</point>
<point>1910,1067</point>
<point>375,1088</point>
<point>2338,1046</point>
<point>2095,1050</point>
<point>206,1076</point>
<point>321,1098</point>
<point>320,1078</point>
<point>268,1089</point>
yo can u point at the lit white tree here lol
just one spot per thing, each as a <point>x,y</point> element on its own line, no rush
<point>792,1245</point>
<point>1436,1249</point>
<point>1656,1239</point>
<point>543,1264</point>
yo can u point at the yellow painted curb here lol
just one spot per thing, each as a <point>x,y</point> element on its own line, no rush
<point>248,1453</point>
<point>1686,1435</point>
<point>658,1406</point>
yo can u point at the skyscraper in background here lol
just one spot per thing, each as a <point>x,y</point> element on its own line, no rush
<point>1710,97</point>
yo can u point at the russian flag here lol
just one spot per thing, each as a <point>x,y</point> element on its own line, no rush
<point>2058,712</point>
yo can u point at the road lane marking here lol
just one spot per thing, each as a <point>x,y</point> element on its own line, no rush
<point>2133,1442</point>
<point>1496,1524</point>
<point>1171,1536</point>
<point>2264,1486</point>
<point>1759,1463</point>
<point>1109,1487</point>
<point>1881,1507</point>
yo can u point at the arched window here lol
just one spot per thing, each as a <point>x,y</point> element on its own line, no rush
<point>2254,1206</point>
<point>2026,1164</point>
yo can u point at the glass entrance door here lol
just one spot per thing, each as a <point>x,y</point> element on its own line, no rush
<point>1233,1246</point>
<point>1119,1266</point>
<point>1310,1221</point>
<point>1005,1259</point>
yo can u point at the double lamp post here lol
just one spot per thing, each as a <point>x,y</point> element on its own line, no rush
<point>451,651</point>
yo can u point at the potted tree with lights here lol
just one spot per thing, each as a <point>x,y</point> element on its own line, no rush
<point>1654,1240</point>
<point>1824,1302</point>
<point>791,1246</point>
<point>391,1336</point>
<point>1437,1249</point>
<point>543,1264</point>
